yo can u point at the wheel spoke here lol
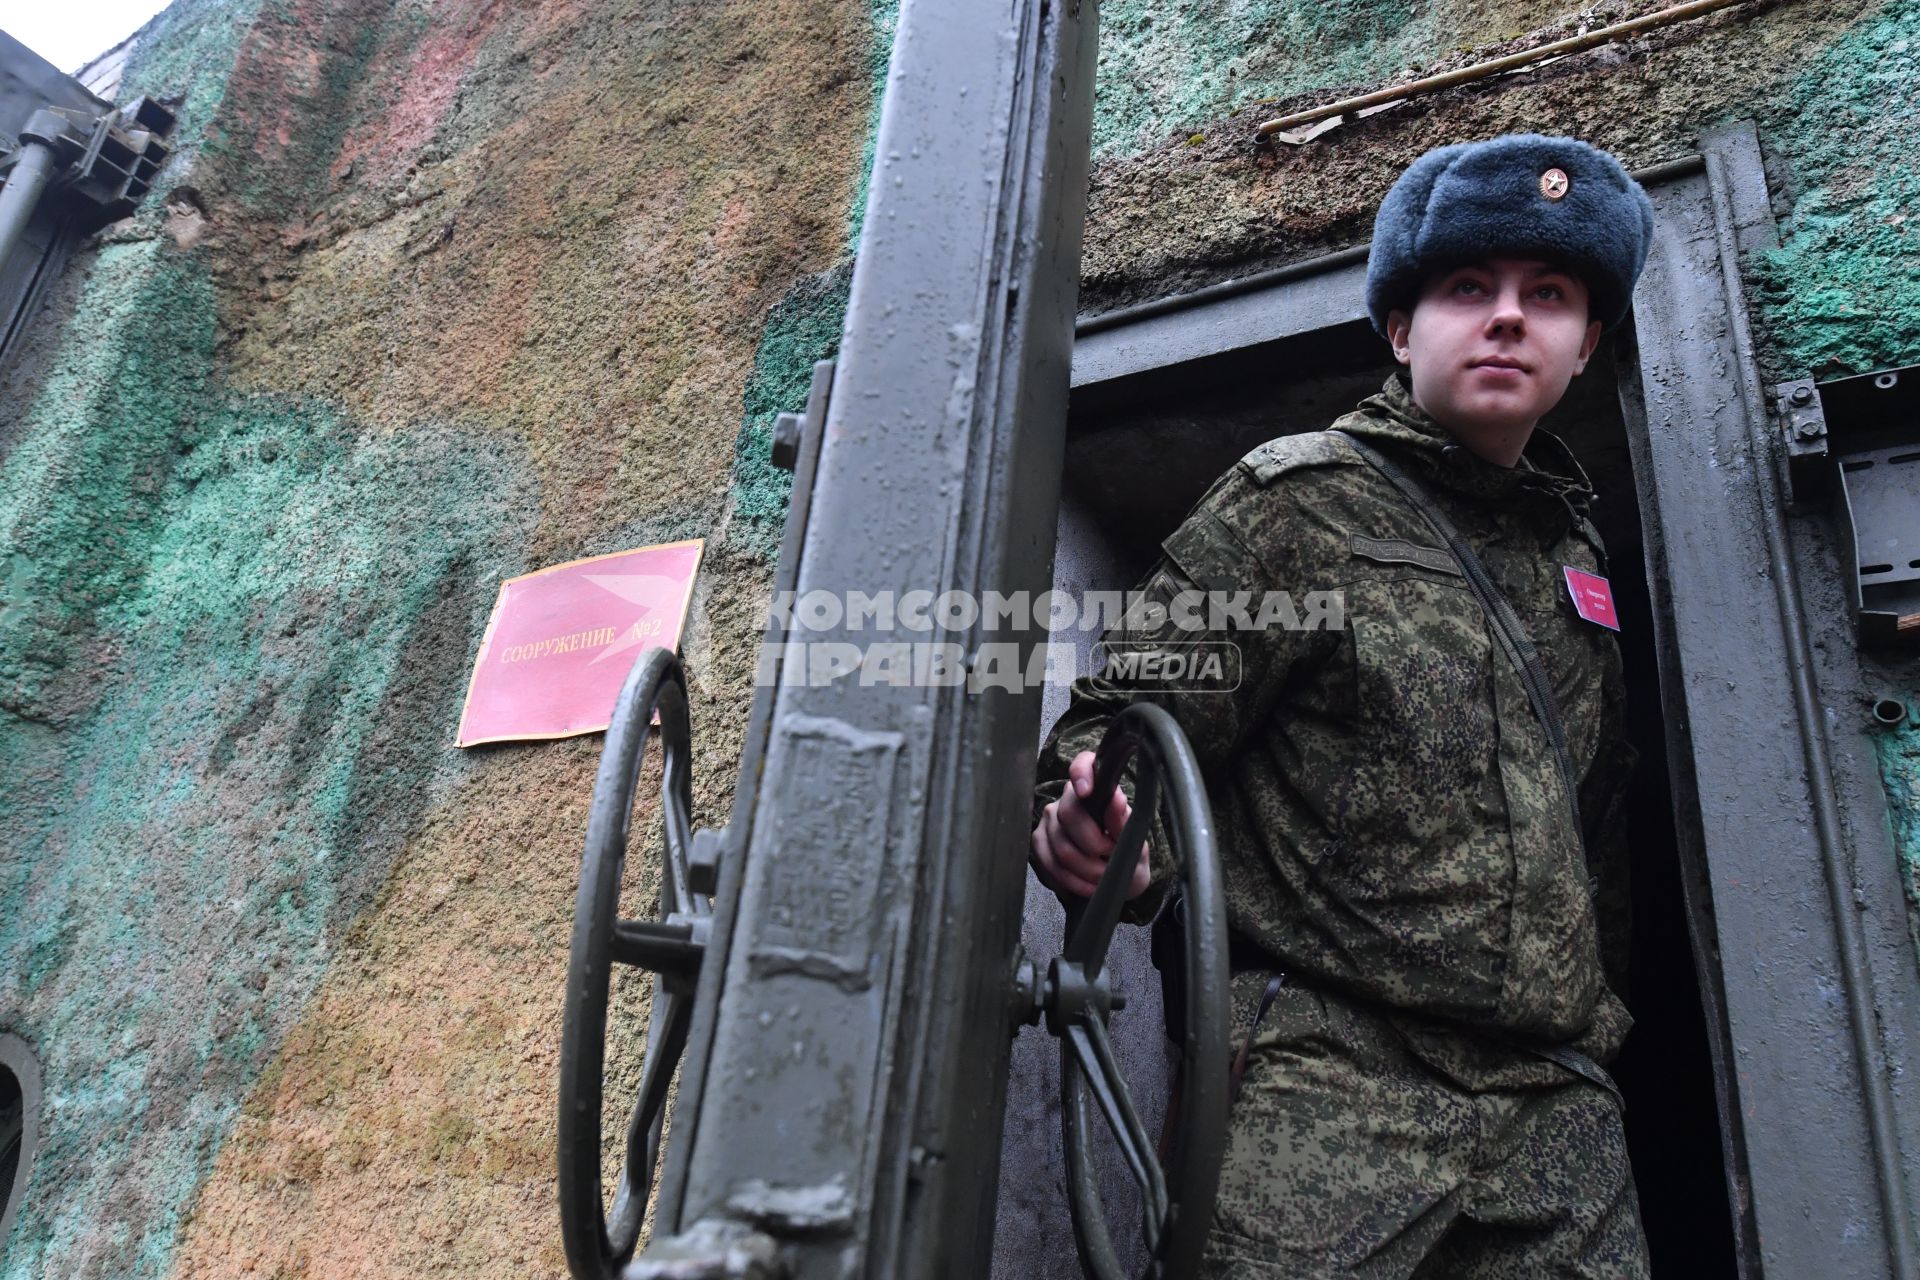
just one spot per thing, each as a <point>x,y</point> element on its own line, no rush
<point>666,1041</point>
<point>676,819</point>
<point>674,897</point>
<point>1095,1055</point>
<point>1091,1239</point>
<point>658,946</point>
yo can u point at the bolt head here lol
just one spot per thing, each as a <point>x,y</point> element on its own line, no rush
<point>786,441</point>
<point>703,861</point>
<point>1802,396</point>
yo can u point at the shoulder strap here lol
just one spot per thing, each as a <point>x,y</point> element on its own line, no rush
<point>1506,626</point>
<point>1283,454</point>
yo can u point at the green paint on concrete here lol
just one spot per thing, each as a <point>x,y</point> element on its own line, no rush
<point>237,794</point>
<point>111,422</point>
<point>1172,66</point>
<point>117,408</point>
<point>801,328</point>
<point>1842,293</point>
<point>235,628</point>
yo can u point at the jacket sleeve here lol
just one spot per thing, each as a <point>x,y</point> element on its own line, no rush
<point>1206,562</point>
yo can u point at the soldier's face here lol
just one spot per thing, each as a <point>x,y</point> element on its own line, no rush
<point>1492,346</point>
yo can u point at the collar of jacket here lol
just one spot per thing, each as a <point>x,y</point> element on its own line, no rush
<point>1547,468</point>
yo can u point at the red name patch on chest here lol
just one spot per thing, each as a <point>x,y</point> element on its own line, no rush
<point>1592,597</point>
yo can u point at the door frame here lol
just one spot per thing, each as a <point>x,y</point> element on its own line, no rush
<point>1805,966</point>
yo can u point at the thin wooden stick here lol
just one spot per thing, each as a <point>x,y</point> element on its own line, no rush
<point>1481,70</point>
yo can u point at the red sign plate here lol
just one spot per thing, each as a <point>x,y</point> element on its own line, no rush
<point>1592,597</point>
<point>561,641</point>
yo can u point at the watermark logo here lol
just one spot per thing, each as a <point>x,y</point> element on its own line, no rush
<point>1135,612</point>
<point>1154,641</point>
<point>1200,666</point>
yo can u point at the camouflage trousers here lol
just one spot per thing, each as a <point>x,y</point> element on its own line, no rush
<point>1348,1157</point>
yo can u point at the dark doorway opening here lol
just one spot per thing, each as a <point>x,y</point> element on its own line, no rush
<point>13,1140</point>
<point>13,1130</point>
<point>1143,448</point>
<point>19,1126</point>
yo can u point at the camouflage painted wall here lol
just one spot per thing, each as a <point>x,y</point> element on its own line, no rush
<point>452,289</point>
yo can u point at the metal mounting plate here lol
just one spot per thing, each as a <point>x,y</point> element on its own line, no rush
<point>1874,421</point>
<point>1857,440</point>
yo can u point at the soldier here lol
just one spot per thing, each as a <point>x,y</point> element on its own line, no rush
<point>1425,985</point>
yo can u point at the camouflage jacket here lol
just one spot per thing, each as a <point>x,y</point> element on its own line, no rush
<point>1390,815</point>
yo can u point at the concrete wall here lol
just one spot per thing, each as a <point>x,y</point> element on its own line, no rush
<point>447,290</point>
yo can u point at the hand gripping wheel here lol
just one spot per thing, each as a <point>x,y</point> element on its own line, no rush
<point>599,1241</point>
<point>1177,1200</point>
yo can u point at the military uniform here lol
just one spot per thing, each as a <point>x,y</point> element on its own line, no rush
<point>1397,840</point>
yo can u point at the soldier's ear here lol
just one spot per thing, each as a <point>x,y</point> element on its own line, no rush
<point>1587,347</point>
<point>1399,326</point>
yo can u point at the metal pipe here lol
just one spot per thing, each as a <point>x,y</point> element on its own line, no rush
<point>21,194</point>
<point>1511,62</point>
<point>1874,1089</point>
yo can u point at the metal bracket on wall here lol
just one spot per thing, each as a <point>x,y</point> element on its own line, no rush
<point>65,171</point>
<point>1858,439</point>
<point>1803,435</point>
<point>789,429</point>
<point>107,162</point>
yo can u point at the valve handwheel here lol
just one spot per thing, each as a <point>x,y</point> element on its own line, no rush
<point>1177,1200</point>
<point>600,1240</point>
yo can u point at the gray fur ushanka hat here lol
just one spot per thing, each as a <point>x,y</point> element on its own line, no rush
<point>1522,195</point>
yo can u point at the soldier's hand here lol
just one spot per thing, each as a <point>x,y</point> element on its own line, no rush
<point>1071,847</point>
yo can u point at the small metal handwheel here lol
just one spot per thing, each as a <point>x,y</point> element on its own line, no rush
<point>599,1240</point>
<point>1177,1200</point>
